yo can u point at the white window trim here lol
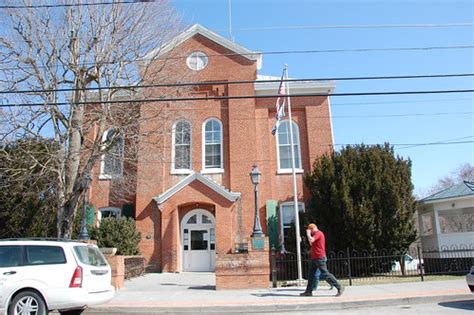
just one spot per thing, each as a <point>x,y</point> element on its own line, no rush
<point>118,212</point>
<point>215,170</point>
<point>280,212</point>
<point>195,55</point>
<point>286,171</point>
<point>181,172</point>
<point>173,157</point>
<point>102,175</point>
<point>289,170</point>
<point>212,171</point>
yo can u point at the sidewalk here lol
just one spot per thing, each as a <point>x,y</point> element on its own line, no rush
<point>195,292</point>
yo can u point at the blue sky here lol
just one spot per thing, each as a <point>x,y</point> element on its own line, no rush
<point>408,119</point>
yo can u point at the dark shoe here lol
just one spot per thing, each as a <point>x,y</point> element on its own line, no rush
<point>340,291</point>
<point>306,294</point>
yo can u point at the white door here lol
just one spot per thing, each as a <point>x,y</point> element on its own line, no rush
<point>198,241</point>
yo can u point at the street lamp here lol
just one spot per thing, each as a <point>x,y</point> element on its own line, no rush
<point>83,235</point>
<point>255,177</point>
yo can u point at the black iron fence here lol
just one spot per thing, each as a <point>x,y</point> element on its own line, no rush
<point>354,265</point>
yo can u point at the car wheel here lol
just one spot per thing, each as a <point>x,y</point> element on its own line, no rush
<point>72,312</point>
<point>27,302</point>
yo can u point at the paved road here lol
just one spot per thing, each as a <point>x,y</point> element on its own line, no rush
<point>194,293</point>
<point>444,308</point>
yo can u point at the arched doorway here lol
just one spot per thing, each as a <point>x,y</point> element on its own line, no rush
<point>198,241</point>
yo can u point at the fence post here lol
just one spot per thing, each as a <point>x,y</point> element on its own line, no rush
<point>273,268</point>
<point>420,258</point>
<point>349,266</point>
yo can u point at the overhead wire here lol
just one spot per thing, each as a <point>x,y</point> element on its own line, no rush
<point>351,26</point>
<point>206,83</point>
<point>81,4</point>
<point>289,52</point>
<point>404,102</point>
<point>218,98</point>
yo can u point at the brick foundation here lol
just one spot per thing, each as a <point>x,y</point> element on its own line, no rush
<point>244,270</point>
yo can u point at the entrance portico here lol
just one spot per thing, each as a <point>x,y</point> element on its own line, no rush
<point>196,219</point>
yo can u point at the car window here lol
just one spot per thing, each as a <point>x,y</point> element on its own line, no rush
<point>90,255</point>
<point>10,256</point>
<point>40,255</point>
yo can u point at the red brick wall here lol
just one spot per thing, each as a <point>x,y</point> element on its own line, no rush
<point>247,140</point>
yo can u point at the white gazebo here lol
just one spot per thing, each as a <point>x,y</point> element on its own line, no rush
<point>446,219</point>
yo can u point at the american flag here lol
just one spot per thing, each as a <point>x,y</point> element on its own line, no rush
<point>280,103</point>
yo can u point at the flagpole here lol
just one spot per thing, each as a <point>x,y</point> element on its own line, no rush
<point>295,190</point>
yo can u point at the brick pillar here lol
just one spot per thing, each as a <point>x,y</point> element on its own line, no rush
<point>117,264</point>
<point>244,270</point>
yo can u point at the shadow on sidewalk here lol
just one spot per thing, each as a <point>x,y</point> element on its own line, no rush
<point>461,305</point>
<point>203,287</point>
<point>272,294</point>
<point>292,295</point>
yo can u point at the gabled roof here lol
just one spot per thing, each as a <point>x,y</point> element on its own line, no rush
<point>201,30</point>
<point>463,189</point>
<point>229,195</point>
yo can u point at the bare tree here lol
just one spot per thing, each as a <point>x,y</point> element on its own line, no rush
<point>465,172</point>
<point>63,68</point>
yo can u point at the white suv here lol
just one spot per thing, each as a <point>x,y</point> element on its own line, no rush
<point>40,275</point>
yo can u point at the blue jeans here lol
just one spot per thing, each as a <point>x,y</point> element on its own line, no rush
<point>320,264</point>
<point>317,278</point>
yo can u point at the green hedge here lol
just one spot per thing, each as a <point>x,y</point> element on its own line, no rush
<point>120,233</point>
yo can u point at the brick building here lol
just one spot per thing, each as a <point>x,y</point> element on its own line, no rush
<point>197,200</point>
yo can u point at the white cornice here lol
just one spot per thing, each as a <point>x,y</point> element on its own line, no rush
<point>229,195</point>
<point>199,29</point>
<point>300,87</point>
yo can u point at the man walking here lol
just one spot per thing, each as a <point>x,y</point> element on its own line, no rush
<point>318,261</point>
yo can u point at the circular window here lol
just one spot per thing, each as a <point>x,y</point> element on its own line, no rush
<point>197,61</point>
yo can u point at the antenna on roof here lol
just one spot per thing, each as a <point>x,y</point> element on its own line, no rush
<point>230,21</point>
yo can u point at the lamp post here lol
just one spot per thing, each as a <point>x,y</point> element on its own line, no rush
<point>255,177</point>
<point>83,234</point>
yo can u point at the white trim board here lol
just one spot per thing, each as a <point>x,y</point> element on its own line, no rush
<point>229,195</point>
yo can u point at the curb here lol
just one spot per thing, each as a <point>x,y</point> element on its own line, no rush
<point>280,307</point>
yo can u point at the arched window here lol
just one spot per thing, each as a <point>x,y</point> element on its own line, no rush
<point>284,146</point>
<point>213,150</point>
<point>182,146</point>
<point>112,160</point>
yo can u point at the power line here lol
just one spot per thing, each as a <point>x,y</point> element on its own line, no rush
<point>403,102</point>
<point>169,147</point>
<point>367,26</point>
<point>71,4</point>
<point>252,29</point>
<point>289,52</point>
<point>337,116</point>
<point>220,98</point>
<point>398,115</point>
<point>201,83</point>
<point>442,142</point>
<point>408,145</point>
<point>343,50</point>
